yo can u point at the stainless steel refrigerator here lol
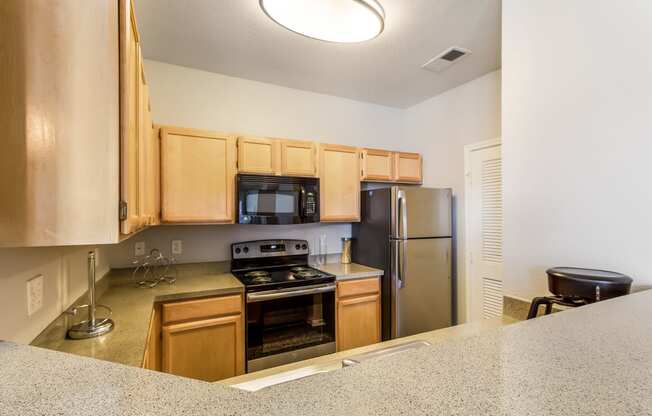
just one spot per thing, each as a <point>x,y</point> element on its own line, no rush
<point>407,232</point>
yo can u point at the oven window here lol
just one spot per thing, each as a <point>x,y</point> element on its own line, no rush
<point>271,202</point>
<point>282,325</point>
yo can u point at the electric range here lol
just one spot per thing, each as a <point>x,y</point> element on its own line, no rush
<point>290,306</point>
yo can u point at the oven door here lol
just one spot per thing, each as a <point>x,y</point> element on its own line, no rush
<point>277,200</point>
<point>289,325</point>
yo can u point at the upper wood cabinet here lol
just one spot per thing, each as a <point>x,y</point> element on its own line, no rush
<point>257,155</point>
<point>339,168</point>
<point>358,313</point>
<point>266,156</point>
<point>59,112</point>
<point>408,167</point>
<point>139,160</point>
<point>377,165</point>
<point>298,158</point>
<point>197,176</point>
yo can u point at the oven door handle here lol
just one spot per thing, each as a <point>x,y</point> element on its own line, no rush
<point>288,293</point>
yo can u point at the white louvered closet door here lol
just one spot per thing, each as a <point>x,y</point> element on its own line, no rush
<point>486,233</point>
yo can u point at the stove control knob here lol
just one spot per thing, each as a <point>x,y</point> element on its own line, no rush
<point>237,250</point>
<point>246,250</point>
<point>304,246</point>
<point>298,246</point>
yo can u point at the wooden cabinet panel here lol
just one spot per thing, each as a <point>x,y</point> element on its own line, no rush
<point>210,349</point>
<point>153,194</point>
<point>407,167</point>
<point>197,176</point>
<point>130,81</point>
<point>377,165</point>
<point>349,288</point>
<point>201,308</point>
<point>298,158</point>
<point>358,313</point>
<point>152,356</point>
<point>258,156</point>
<point>339,168</point>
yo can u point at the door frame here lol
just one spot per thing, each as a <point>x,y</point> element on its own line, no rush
<point>468,278</point>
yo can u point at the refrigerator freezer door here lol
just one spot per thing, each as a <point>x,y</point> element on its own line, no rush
<point>421,285</point>
<point>421,212</point>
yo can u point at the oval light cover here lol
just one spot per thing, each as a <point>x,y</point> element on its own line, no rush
<point>342,21</point>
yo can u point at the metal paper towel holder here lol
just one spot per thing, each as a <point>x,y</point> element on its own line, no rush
<point>91,327</point>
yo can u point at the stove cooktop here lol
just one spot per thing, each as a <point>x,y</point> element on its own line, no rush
<point>278,278</point>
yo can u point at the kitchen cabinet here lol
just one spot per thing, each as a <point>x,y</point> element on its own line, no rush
<point>197,176</point>
<point>408,167</point>
<point>298,158</point>
<point>59,112</point>
<point>358,313</point>
<point>204,338</point>
<point>258,155</point>
<point>377,165</point>
<point>339,168</point>
<point>265,156</point>
<point>139,161</point>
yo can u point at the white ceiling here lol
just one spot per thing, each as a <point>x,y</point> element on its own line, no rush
<point>234,37</point>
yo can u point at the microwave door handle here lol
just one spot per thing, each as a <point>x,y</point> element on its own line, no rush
<point>302,201</point>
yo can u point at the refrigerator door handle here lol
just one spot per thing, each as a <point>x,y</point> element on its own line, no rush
<point>402,214</point>
<point>402,258</point>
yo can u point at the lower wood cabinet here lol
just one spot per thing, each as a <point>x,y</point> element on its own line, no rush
<point>358,313</point>
<point>200,338</point>
<point>208,349</point>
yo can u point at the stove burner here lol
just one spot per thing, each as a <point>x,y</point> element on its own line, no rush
<point>300,269</point>
<point>259,276</point>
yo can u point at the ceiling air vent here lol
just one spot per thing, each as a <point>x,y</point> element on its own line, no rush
<point>445,59</point>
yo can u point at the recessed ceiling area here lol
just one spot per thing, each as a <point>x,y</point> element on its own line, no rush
<point>236,38</point>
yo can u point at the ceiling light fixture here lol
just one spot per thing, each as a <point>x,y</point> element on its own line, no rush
<point>341,21</point>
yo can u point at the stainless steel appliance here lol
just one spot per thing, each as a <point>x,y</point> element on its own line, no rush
<point>407,232</point>
<point>290,306</point>
<point>277,200</point>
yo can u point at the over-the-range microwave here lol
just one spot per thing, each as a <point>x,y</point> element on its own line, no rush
<point>277,199</point>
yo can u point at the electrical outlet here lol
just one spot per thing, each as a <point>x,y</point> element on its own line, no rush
<point>34,294</point>
<point>177,247</point>
<point>139,248</point>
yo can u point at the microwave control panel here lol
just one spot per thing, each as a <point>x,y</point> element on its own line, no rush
<point>310,205</point>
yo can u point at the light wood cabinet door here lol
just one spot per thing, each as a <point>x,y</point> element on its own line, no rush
<point>377,165</point>
<point>197,176</point>
<point>209,350</point>
<point>257,155</point>
<point>339,168</point>
<point>131,210</point>
<point>152,356</point>
<point>407,167</point>
<point>358,313</point>
<point>298,158</point>
<point>153,201</point>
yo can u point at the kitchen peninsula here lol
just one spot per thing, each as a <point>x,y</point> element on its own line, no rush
<point>525,368</point>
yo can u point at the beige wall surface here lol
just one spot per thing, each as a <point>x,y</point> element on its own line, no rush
<point>576,139</point>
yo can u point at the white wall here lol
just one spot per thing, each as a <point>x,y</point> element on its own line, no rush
<point>577,106</point>
<point>65,280</point>
<point>439,128</point>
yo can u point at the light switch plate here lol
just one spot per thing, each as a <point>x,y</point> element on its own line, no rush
<point>177,247</point>
<point>34,294</point>
<point>139,248</point>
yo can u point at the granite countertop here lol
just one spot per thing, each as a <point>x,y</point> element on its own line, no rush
<point>348,271</point>
<point>592,360</point>
<point>132,309</point>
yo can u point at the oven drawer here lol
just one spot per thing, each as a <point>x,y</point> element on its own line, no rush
<point>201,308</point>
<point>360,287</point>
